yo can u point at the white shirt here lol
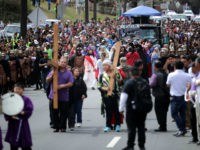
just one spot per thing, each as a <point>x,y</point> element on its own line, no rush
<point>123,100</point>
<point>178,81</point>
<point>198,88</point>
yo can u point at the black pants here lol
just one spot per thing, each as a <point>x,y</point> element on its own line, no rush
<point>51,113</point>
<point>111,104</point>
<point>16,148</point>
<point>193,121</point>
<point>38,84</point>
<point>60,115</point>
<point>71,116</point>
<point>161,109</point>
<point>136,120</point>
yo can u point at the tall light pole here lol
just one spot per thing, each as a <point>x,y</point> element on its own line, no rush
<point>23,18</point>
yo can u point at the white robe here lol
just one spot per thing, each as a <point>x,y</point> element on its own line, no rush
<point>89,74</point>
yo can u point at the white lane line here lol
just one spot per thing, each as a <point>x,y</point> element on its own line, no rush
<point>114,141</point>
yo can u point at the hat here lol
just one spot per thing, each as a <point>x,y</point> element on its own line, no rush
<point>107,62</point>
<point>123,59</point>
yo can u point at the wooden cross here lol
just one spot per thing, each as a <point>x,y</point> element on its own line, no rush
<point>55,61</point>
<point>115,62</point>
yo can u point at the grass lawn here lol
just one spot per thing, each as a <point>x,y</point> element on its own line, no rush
<point>69,13</point>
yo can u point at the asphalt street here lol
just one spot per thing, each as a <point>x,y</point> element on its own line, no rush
<point>91,136</point>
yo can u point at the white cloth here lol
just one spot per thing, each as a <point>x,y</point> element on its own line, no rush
<point>178,81</point>
<point>89,74</point>
<point>99,66</point>
<point>123,100</point>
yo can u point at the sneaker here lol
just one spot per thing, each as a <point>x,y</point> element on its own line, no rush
<point>180,133</point>
<point>71,129</point>
<point>118,128</point>
<point>128,148</point>
<point>107,129</point>
<point>78,125</point>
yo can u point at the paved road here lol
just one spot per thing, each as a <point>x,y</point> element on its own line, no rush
<point>91,135</point>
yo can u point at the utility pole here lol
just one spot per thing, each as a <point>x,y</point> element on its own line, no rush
<point>95,10</point>
<point>23,18</point>
<point>86,11</point>
<point>124,6</point>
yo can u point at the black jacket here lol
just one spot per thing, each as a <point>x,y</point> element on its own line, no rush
<point>78,89</point>
<point>161,88</point>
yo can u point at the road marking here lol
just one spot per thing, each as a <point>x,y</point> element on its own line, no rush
<point>114,141</point>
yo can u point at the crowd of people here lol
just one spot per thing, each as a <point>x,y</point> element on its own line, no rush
<point>86,52</point>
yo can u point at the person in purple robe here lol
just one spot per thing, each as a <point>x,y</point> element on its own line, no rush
<point>18,133</point>
<point>65,81</point>
<point>1,145</point>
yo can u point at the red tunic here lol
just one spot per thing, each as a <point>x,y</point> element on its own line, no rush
<point>132,57</point>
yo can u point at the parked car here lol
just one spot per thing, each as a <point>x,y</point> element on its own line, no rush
<point>179,17</point>
<point>170,12</point>
<point>189,14</point>
<point>13,28</point>
<point>50,21</point>
<point>159,18</point>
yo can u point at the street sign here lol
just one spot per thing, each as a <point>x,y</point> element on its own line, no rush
<point>37,16</point>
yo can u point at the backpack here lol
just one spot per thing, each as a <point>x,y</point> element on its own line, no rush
<point>142,101</point>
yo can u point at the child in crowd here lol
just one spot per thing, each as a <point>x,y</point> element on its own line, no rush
<point>18,133</point>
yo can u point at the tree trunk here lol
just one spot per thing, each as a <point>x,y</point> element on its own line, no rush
<point>95,10</point>
<point>23,18</point>
<point>86,12</point>
<point>124,7</point>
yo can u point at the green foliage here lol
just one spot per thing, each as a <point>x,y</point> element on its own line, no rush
<point>10,10</point>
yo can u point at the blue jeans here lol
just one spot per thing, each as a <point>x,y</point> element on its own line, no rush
<point>78,110</point>
<point>178,109</point>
